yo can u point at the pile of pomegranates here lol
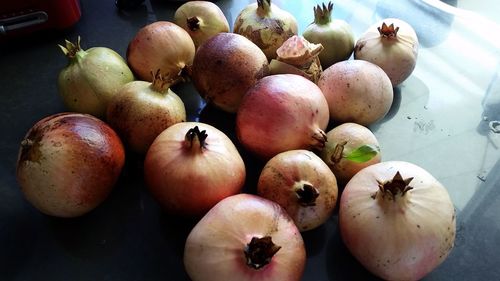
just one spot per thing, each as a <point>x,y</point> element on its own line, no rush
<point>299,104</point>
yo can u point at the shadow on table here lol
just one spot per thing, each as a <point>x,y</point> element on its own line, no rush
<point>17,241</point>
<point>101,232</point>
<point>341,265</point>
<point>226,122</point>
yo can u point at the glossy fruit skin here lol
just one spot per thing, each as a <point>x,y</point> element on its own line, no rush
<point>91,79</point>
<point>357,91</point>
<point>139,113</point>
<point>68,164</point>
<point>286,173</point>
<point>397,238</point>
<point>214,249</point>
<point>282,112</point>
<point>187,179</point>
<point>225,67</point>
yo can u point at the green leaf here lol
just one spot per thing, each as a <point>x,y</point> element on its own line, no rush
<point>363,153</point>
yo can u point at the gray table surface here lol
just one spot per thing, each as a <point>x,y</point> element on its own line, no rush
<point>441,120</point>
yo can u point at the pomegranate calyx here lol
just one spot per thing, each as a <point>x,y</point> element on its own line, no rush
<point>322,14</point>
<point>260,251</point>
<point>264,6</point>
<point>338,152</point>
<point>30,150</point>
<point>396,186</point>
<point>195,139</point>
<point>71,50</point>
<point>185,73</point>
<point>307,195</point>
<point>388,31</point>
<point>27,143</point>
<point>160,82</point>
<point>193,23</point>
<point>319,139</point>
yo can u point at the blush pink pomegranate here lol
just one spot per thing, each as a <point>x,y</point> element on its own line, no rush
<point>245,237</point>
<point>282,112</point>
<point>302,184</point>
<point>191,166</point>
<point>397,220</point>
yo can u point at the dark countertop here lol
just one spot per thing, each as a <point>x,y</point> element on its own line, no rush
<point>440,120</point>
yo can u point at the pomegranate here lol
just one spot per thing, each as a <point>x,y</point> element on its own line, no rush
<point>91,78</point>
<point>357,91</point>
<point>245,237</point>
<point>68,163</point>
<point>191,166</point>
<point>350,148</point>
<point>282,112</point>
<point>397,220</point>
<point>161,45</point>
<point>301,183</point>
<point>201,19</point>
<point>335,35</point>
<point>142,110</point>
<point>218,74</point>
<point>266,25</point>
<point>391,44</point>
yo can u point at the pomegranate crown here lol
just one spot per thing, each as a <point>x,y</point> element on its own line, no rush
<point>389,31</point>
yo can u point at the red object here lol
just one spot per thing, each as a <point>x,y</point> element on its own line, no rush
<point>25,16</point>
